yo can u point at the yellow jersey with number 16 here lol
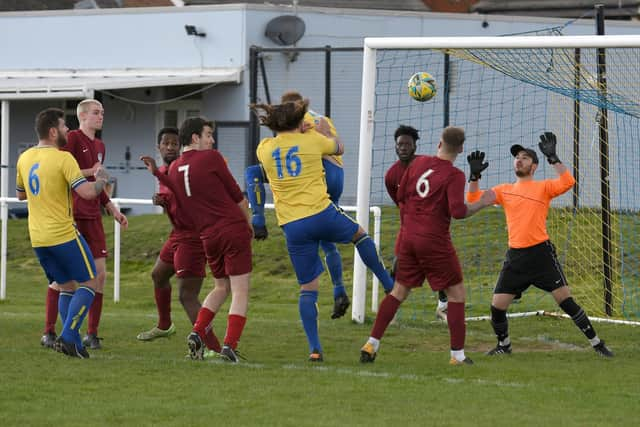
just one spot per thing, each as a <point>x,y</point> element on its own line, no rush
<point>48,175</point>
<point>292,162</point>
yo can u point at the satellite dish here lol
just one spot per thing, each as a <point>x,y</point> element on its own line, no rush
<point>285,30</point>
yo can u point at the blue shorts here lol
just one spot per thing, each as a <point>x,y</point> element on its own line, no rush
<point>334,175</point>
<point>67,261</point>
<point>304,235</point>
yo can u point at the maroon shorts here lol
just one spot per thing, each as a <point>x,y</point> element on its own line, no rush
<point>229,252</point>
<point>420,258</point>
<point>93,232</point>
<point>186,254</point>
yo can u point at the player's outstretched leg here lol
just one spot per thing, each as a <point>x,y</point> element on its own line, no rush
<point>500,325</point>
<point>369,254</point>
<point>235,326</point>
<point>387,310</point>
<point>307,305</point>
<point>165,327</point>
<point>160,275</point>
<point>69,340</point>
<point>457,333</point>
<point>341,301</point>
<point>196,339</point>
<point>583,323</point>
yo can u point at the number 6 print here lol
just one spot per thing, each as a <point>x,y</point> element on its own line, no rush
<point>422,186</point>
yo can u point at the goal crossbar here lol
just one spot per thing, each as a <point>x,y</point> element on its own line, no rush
<point>512,42</point>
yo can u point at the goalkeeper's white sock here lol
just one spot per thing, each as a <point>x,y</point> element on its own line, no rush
<point>458,355</point>
<point>594,341</point>
<point>506,342</point>
<point>375,343</point>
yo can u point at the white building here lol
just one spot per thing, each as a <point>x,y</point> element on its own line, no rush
<point>149,72</point>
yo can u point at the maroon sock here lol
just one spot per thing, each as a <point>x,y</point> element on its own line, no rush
<point>211,340</point>
<point>94,314</point>
<point>235,325</point>
<point>386,311</point>
<point>163,304</point>
<point>51,310</point>
<point>457,328</point>
<point>205,316</point>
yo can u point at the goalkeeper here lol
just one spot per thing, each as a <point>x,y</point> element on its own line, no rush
<point>531,258</point>
<point>334,176</point>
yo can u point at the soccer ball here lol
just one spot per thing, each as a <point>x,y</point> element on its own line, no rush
<point>422,86</point>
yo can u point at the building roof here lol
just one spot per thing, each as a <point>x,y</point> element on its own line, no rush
<point>40,84</point>
<point>619,9</point>
<point>417,5</point>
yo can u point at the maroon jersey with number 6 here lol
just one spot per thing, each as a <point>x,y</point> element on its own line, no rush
<point>431,192</point>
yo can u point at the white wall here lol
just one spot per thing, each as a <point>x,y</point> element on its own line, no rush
<point>155,38</point>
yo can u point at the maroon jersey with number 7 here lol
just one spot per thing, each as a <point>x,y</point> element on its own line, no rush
<point>206,192</point>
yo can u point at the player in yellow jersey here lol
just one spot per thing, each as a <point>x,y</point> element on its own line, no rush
<point>334,177</point>
<point>292,161</point>
<point>45,178</point>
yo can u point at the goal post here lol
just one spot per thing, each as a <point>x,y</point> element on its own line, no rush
<point>507,90</point>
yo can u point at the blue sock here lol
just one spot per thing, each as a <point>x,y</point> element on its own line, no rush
<point>78,309</point>
<point>367,250</point>
<point>309,315</point>
<point>334,265</point>
<point>63,304</point>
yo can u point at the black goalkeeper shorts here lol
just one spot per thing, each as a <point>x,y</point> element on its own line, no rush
<point>536,265</point>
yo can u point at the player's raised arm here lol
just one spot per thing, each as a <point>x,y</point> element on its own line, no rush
<point>90,190</point>
<point>476,165</point>
<point>150,163</point>
<point>547,145</point>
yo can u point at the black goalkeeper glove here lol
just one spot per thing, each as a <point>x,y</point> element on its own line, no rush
<point>476,165</point>
<point>547,145</point>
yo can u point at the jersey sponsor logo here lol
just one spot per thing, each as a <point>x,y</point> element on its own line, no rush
<point>85,150</point>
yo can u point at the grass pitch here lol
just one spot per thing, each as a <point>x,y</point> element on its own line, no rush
<point>552,378</point>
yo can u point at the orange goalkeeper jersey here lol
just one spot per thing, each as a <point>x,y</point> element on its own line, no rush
<point>526,205</point>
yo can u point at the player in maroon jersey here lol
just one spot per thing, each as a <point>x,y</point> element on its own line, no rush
<point>208,196</point>
<point>406,138</point>
<point>431,192</point>
<point>89,152</point>
<point>182,255</point>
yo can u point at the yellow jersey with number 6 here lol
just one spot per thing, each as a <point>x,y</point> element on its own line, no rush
<point>48,175</point>
<point>292,162</point>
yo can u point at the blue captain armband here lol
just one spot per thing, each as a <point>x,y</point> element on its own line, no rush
<point>254,179</point>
